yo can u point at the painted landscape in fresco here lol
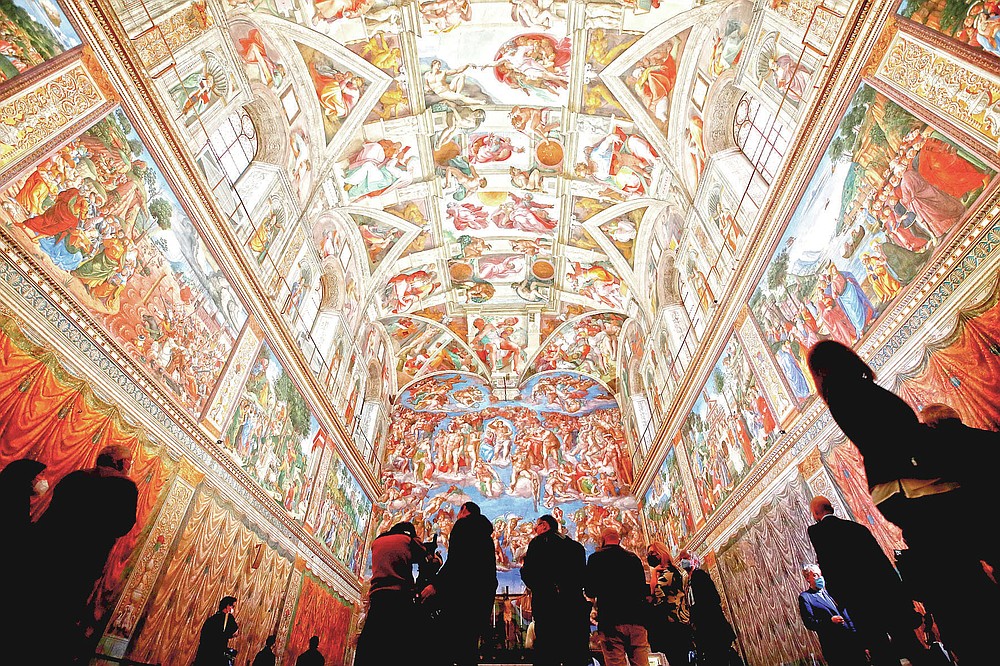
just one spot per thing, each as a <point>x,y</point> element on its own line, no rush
<point>972,22</point>
<point>731,425</point>
<point>32,32</point>
<point>274,436</point>
<point>344,513</point>
<point>101,219</point>
<point>668,512</point>
<point>886,194</point>
<point>558,449</point>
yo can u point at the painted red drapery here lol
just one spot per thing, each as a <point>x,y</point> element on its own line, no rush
<point>320,612</point>
<point>963,372</point>
<point>49,415</point>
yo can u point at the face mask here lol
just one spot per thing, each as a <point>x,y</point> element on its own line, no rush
<point>41,487</point>
<point>653,560</point>
<point>819,582</point>
<point>687,565</point>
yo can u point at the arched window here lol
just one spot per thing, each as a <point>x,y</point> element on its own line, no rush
<point>760,136</point>
<point>235,144</point>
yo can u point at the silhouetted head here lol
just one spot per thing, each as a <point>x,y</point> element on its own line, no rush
<point>829,359</point>
<point>271,640</point>
<point>820,506</point>
<point>314,642</point>
<point>470,509</point>
<point>115,457</point>
<point>545,524</point>
<point>938,413</point>
<point>226,602</point>
<point>19,475</point>
<point>404,527</point>
<point>658,554</point>
<point>610,537</point>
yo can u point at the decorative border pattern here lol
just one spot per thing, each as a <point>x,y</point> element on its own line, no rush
<point>976,255</point>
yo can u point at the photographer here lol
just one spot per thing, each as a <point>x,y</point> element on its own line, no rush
<point>389,632</point>
<point>213,646</point>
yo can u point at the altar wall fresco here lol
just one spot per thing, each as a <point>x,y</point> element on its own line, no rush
<point>560,450</point>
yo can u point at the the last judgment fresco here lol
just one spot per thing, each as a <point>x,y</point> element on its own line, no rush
<point>558,448</point>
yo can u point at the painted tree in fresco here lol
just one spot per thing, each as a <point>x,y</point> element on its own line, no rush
<point>944,15</point>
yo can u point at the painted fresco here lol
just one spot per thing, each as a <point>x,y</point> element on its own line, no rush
<point>337,88</point>
<point>588,345</point>
<point>654,76</point>
<point>320,611</point>
<point>420,345</point>
<point>217,553</point>
<point>779,69</point>
<point>100,218</point>
<point>886,194</point>
<point>623,231</point>
<point>668,512</point>
<point>597,281</point>
<point>411,288</point>
<point>32,32</point>
<point>618,160</point>
<point>499,341</point>
<point>344,512</point>
<point>761,565</point>
<point>274,436</point>
<point>730,427</point>
<point>261,60</point>
<point>378,238</point>
<point>383,50</point>
<point>558,449</point>
<point>379,167</point>
<point>962,369</point>
<point>603,46</point>
<point>971,22</point>
<point>201,89</point>
<point>725,47</point>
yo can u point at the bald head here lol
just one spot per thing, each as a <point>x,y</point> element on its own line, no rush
<point>938,413</point>
<point>820,506</point>
<point>611,537</point>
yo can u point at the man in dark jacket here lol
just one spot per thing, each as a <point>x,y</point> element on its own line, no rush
<point>312,656</point>
<point>466,585</point>
<point>860,576</point>
<point>554,570</point>
<point>90,510</point>
<point>266,655</point>
<point>830,621</point>
<point>617,580</point>
<point>215,634</point>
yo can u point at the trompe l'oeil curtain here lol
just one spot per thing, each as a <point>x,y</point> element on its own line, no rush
<point>49,415</point>
<point>320,612</point>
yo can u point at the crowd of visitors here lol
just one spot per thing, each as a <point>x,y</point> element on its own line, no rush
<point>928,473</point>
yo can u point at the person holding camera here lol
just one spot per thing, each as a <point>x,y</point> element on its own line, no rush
<point>213,646</point>
<point>390,627</point>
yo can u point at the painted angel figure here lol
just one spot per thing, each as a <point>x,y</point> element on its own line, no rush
<point>533,13</point>
<point>446,15</point>
<point>199,90</point>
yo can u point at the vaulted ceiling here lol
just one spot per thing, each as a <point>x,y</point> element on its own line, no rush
<point>504,181</point>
